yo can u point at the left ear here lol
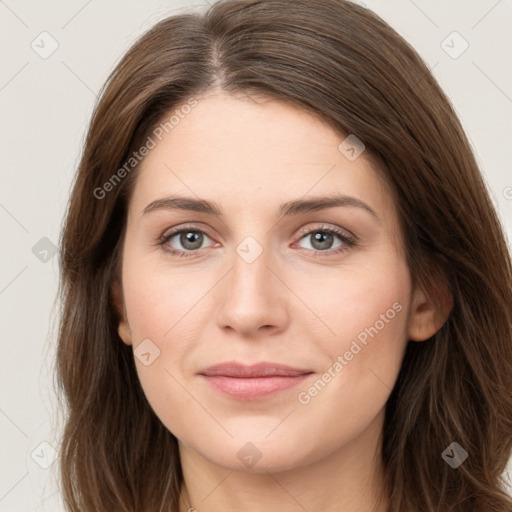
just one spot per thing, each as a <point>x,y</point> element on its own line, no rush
<point>425,318</point>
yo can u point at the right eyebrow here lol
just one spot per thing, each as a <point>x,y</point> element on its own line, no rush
<point>183,203</point>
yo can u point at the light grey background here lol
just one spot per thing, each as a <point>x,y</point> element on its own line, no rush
<point>45,105</point>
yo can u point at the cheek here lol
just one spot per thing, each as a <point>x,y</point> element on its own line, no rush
<point>158,300</point>
<point>161,308</point>
<point>368,304</point>
<point>368,312</point>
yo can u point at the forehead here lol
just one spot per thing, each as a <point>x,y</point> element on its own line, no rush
<point>247,152</point>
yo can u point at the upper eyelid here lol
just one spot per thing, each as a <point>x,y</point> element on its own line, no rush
<point>332,228</point>
<point>174,231</point>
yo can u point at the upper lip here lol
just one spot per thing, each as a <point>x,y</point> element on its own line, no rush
<point>264,369</point>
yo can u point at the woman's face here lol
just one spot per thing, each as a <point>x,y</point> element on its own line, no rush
<point>307,309</point>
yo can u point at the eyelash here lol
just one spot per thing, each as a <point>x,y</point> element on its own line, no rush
<point>348,242</point>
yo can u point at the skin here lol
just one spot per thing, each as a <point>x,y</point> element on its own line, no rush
<point>298,303</point>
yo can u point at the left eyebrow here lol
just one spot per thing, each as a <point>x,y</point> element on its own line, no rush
<point>290,208</point>
<point>319,203</point>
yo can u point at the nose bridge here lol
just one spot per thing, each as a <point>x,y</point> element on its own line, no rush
<point>253,252</point>
<point>253,297</point>
<point>251,277</point>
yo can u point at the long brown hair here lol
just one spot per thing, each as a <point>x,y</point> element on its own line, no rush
<point>343,63</point>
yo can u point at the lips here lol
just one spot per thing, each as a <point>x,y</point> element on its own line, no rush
<point>252,382</point>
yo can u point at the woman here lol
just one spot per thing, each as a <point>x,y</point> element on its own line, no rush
<point>284,284</point>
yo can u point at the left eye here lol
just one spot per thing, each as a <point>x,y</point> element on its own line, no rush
<point>323,239</point>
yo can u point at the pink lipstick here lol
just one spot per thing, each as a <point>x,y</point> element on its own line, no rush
<point>252,382</point>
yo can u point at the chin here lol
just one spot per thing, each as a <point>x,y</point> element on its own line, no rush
<point>253,453</point>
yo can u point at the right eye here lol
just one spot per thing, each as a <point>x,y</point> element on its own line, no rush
<point>190,238</point>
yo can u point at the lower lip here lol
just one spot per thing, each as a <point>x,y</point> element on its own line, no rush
<point>254,388</point>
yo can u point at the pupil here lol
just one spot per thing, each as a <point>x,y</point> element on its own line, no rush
<point>191,237</point>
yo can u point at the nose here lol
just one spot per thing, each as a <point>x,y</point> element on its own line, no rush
<point>253,298</point>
